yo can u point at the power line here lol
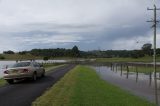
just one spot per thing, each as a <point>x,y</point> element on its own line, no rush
<point>154,26</point>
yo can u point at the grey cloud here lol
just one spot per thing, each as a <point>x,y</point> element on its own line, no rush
<point>87,23</point>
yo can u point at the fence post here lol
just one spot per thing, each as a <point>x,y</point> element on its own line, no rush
<point>150,78</point>
<point>121,69</point>
<point>127,71</point>
<point>136,74</point>
<point>116,67</point>
<point>111,66</point>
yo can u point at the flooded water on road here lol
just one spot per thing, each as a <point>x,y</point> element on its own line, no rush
<point>3,64</point>
<point>140,85</point>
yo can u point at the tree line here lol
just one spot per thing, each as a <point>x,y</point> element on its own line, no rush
<point>146,49</point>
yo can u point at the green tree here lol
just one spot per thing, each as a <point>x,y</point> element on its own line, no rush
<point>147,49</point>
<point>22,52</point>
<point>2,57</point>
<point>8,52</point>
<point>75,51</point>
<point>137,53</point>
<point>45,58</point>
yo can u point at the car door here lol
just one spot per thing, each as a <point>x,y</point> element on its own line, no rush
<point>38,68</point>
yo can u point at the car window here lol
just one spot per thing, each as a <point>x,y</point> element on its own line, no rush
<point>21,64</point>
<point>36,65</point>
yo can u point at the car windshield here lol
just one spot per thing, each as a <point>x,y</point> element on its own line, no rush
<point>21,64</point>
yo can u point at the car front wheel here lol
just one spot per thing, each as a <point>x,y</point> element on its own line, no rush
<point>10,81</point>
<point>34,77</point>
<point>43,74</point>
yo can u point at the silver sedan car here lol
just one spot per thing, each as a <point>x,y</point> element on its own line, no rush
<point>23,70</point>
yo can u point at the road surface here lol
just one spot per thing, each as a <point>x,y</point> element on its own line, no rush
<point>25,92</point>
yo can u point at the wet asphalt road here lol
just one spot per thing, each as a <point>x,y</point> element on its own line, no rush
<point>25,92</point>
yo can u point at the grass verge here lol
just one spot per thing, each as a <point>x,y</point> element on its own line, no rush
<point>140,69</point>
<point>114,59</point>
<point>51,67</point>
<point>83,87</point>
<point>2,82</point>
<point>19,57</point>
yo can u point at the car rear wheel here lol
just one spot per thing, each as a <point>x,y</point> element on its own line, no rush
<point>43,74</point>
<point>34,77</point>
<point>10,81</point>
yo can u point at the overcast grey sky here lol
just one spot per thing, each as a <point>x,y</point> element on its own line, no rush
<point>89,24</point>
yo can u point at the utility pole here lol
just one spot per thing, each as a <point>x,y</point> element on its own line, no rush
<point>155,21</point>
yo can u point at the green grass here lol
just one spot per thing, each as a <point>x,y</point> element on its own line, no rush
<point>28,56</point>
<point>20,57</point>
<point>48,65</point>
<point>2,82</point>
<point>52,66</point>
<point>140,69</point>
<point>143,59</point>
<point>83,87</point>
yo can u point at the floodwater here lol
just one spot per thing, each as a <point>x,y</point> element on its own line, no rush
<point>3,64</point>
<point>140,85</point>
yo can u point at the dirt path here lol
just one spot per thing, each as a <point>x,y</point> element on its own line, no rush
<point>24,93</point>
